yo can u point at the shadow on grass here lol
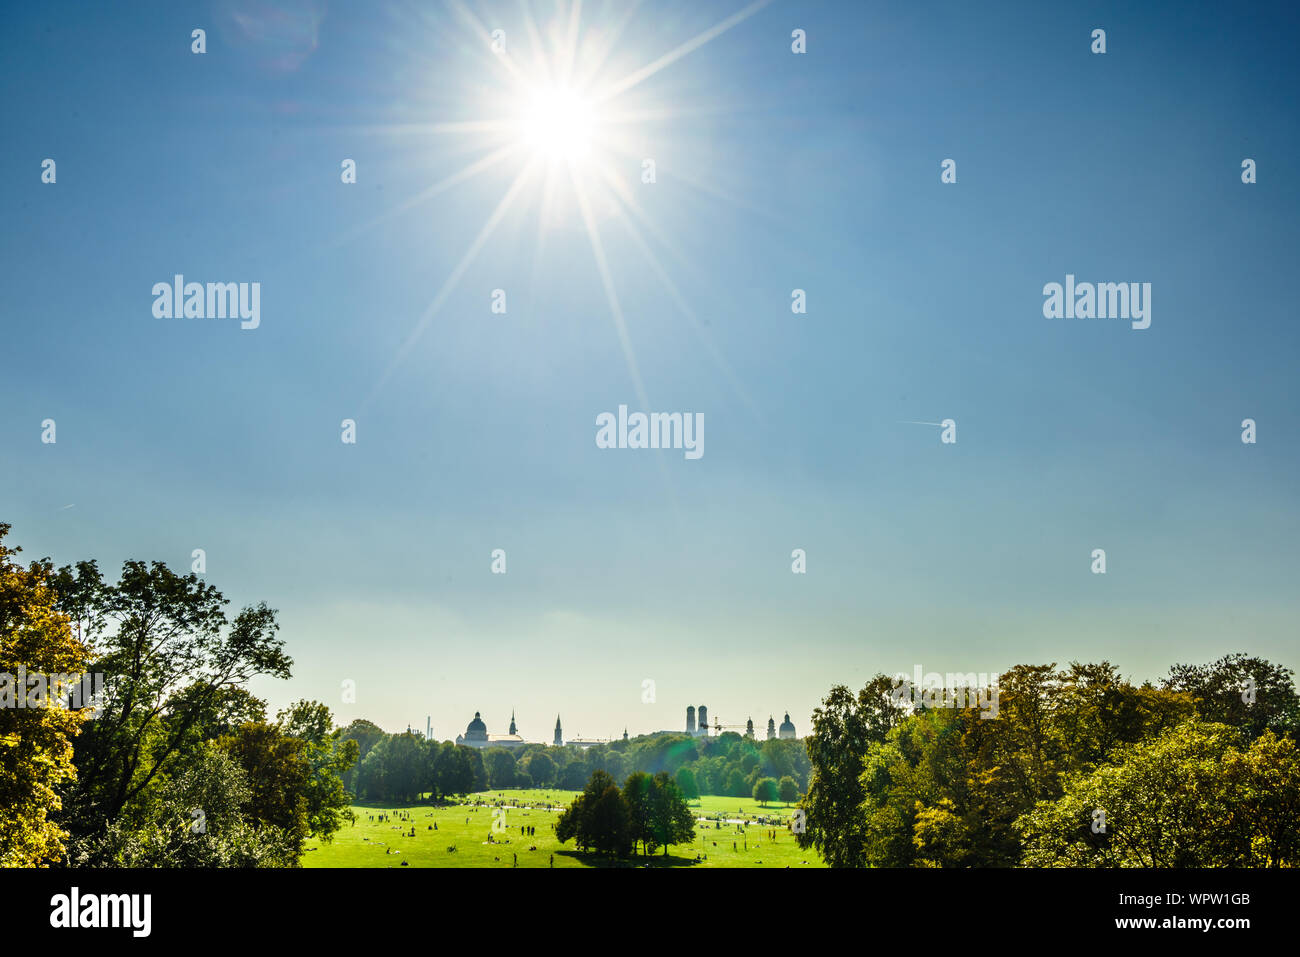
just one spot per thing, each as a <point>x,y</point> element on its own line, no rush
<point>385,806</point>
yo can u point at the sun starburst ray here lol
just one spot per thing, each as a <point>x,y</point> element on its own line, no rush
<point>672,56</point>
<point>450,284</point>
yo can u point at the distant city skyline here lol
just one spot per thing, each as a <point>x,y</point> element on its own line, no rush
<point>714,729</point>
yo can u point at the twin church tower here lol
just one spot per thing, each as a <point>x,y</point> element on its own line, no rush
<point>701,730</point>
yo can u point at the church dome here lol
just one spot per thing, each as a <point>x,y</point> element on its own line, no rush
<point>786,725</point>
<point>476,725</point>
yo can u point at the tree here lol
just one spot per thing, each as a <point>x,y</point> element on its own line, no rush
<point>473,761</point>
<point>844,728</point>
<point>834,822</point>
<point>687,783</point>
<point>737,786</point>
<point>278,775</point>
<point>217,711</point>
<point>193,820</point>
<point>789,790</point>
<point>671,820</point>
<point>878,710</point>
<point>939,836</point>
<point>637,794</point>
<point>36,750</point>
<point>608,824</point>
<point>398,768</point>
<point>1247,693</point>
<point>597,818</point>
<point>1193,797</point>
<point>366,734</point>
<point>1095,712</point>
<point>541,768</point>
<point>1264,783</point>
<point>783,758</point>
<point>330,757</point>
<point>167,652</point>
<point>500,765</point>
<point>371,774</point>
<point>453,770</point>
<point>574,776</point>
<point>568,826</point>
<point>766,790</point>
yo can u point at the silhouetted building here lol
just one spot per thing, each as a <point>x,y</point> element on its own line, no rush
<point>476,736</point>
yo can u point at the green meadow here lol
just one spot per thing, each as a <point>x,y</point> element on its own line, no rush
<point>732,837</point>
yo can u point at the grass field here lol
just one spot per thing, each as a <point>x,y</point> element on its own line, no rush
<point>469,827</point>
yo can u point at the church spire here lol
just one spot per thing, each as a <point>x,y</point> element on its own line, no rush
<point>559,738</point>
<point>512,721</point>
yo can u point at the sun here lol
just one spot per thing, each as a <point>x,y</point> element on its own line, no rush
<point>556,102</point>
<point>558,123</point>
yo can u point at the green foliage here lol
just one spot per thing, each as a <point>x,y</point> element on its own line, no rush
<point>725,764</point>
<point>671,821</point>
<point>193,820</point>
<point>954,787</point>
<point>788,789</point>
<point>598,819</point>
<point>541,769</point>
<point>277,772</point>
<point>397,768</point>
<point>36,749</point>
<point>737,786</point>
<point>637,794</point>
<point>170,658</point>
<point>330,756</point>
<point>500,765</point>
<point>1247,693</point>
<point>687,783</point>
<point>648,810</point>
<point>1196,796</point>
<point>844,727</point>
<point>766,790</point>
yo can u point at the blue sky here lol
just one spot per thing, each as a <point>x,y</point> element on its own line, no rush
<point>775,171</point>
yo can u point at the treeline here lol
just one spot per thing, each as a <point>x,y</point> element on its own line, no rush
<point>1079,768</point>
<point>401,767</point>
<point>180,766</point>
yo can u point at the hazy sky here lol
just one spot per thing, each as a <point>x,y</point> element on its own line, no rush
<point>775,171</point>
